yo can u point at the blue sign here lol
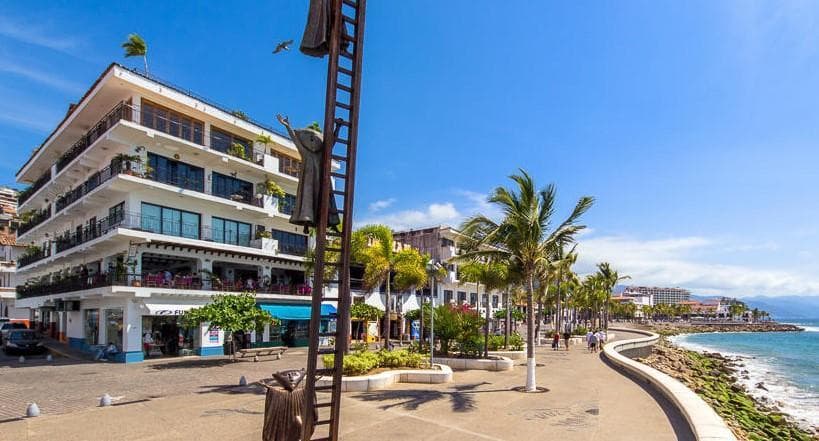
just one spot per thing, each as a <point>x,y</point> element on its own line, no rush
<point>415,329</point>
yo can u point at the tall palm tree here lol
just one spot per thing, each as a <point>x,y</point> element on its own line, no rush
<point>135,46</point>
<point>493,275</point>
<point>610,278</point>
<point>524,237</point>
<point>373,247</point>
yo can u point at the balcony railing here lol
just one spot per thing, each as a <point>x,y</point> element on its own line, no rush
<point>116,167</point>
<point>37,218</point>
<point>120,111</point>
<point>152,224</point>
<point>33,255</point>
<point>78,282</point>
<point>38,184</point>
<point>171,126</point>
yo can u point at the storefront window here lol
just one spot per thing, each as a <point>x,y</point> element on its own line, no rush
<point>113,327</point>
<point>92,326</point>
<point>165,336</point>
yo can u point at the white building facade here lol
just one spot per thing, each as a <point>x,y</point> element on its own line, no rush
<point>441,244</point>
<point>145,202</point>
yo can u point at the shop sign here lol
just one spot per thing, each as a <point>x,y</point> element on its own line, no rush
<point>213,336</point>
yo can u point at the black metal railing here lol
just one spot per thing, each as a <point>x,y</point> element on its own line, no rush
<point>134,168</point>
<point>78,282</point>
<point>26,194</point>
<point>37,218</point>
<point>120,111</point>
<point>34,254</point>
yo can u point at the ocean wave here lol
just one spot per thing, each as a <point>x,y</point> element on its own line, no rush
<point>752,371</point>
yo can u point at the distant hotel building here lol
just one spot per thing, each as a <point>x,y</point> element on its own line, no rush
<point>659,295</point>
<point>143,203</point>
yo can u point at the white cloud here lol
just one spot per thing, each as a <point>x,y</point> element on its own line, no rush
<point>37,35</point>
<point>54,81</point>
<point>676,262</point>
<point>433,214</point>
<point>478,204</point>
<point>381,204</point>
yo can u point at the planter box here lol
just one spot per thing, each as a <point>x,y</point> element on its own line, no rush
<point>364,383</point>
<point>497,364</point>
<point>512,355</point>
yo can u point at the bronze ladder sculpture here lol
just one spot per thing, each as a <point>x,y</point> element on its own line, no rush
<point>338,164</point>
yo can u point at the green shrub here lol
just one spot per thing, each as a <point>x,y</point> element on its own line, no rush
<point>515,342</point>
<point>471,347</point>
<point>361,363</point>
<point>580,330</point>
<point>496,342</point>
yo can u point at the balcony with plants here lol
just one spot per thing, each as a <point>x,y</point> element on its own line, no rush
<point>26,194</point>
<point>33,254</point>
<point>121,164</point>
<point>32,218</point>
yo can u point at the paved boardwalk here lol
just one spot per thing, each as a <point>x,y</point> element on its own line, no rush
<point>587,400</point>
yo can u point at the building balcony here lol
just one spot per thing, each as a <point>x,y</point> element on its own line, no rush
<point>253,157</point>
<point>34,188</point>
<point>36,218</point>
<point>148,227</point>
<point>77,282</point>
<point>34,254</point>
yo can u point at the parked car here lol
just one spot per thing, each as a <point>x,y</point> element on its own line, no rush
<point>23,341</point>
<point>7,327</point>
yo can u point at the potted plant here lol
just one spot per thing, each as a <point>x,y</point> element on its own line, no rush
<point>263,234</point>
<point>238,150</point>
<point>128,161</point>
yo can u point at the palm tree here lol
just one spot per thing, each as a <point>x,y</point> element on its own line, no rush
<point>523,238</point>
<point>373,247</point>
<point>135,46</point>
<point>610,277</point>
<point>493,275</point>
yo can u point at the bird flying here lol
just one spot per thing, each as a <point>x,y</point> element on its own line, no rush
<point>283,46</point>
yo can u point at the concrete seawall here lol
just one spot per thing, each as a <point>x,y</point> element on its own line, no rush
<point>704,422</point>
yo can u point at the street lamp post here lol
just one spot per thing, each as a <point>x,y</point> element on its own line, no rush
<point>432,269</point>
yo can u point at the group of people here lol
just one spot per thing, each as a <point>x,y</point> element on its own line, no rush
<point>596,340</point>
<point>556,339</point>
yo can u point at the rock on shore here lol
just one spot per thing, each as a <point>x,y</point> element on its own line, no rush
<point>714,378</point>
<point>674,328</point>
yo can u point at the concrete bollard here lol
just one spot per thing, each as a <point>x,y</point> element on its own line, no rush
<point>21,359</point>
<point>33,410</point>
<point>242,381</point>
<point>49,358</point>
<point>105,401</point>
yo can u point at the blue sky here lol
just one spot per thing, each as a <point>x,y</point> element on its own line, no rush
<point>694,124</point>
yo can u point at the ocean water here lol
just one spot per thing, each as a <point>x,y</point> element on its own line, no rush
<point>787,363</point>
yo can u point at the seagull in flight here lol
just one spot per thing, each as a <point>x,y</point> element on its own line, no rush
<point>283,46</point>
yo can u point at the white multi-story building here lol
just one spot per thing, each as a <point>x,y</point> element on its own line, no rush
<point>144,202</point>
<point>660,295</point>
<point>441,244</point>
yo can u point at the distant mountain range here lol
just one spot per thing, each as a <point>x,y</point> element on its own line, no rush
<point>784,307</point>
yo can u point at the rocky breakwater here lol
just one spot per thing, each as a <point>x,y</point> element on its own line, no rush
<point>715,378</point>
<point>674,328</point>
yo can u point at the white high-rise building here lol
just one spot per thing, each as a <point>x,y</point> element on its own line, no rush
<point>144,202</point>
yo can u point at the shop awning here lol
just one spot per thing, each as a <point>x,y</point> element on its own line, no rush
<point>295,312</point>
<point>166,309</point>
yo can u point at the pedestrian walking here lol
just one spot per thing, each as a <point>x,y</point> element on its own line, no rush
<point>592,342</point>
<point>556,341</point>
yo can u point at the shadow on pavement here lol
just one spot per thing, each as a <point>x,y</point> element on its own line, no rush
<point>232,389</point>
<point>681,428</point>
<point>461,397</point>
<point>190,363</point>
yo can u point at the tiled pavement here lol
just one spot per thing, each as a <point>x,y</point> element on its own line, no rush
<point>66,385</point>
